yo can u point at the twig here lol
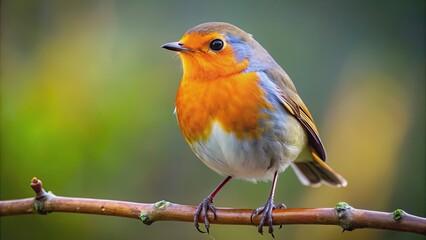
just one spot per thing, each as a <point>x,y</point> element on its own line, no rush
<point>342,215</point>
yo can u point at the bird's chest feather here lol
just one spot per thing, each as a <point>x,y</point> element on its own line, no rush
<point>236,103</point>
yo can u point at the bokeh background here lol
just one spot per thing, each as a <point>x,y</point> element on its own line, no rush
<point>87,99</point>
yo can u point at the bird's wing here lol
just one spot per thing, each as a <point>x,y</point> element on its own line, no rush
<point>294,104</point>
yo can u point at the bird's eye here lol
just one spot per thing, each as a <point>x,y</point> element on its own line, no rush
<point>216,45</point>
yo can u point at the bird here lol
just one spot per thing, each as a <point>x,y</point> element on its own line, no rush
<point>242,116</point>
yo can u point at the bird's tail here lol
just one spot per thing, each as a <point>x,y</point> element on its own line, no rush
<point>315,172</point>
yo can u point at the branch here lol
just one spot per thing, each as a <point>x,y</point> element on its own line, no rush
<point>342,215</point>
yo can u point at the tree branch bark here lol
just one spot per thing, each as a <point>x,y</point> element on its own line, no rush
<point>342,215</point>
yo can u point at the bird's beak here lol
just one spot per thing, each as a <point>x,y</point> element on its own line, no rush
<point>175,46</point>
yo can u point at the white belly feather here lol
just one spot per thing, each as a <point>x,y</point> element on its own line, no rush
<point>255,159</point>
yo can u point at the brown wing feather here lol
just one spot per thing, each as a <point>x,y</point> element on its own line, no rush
<point>300,111</point>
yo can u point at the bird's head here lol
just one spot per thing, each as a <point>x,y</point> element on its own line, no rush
<point>216,49</point>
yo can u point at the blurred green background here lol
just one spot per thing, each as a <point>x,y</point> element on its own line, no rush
<point>87,99</point>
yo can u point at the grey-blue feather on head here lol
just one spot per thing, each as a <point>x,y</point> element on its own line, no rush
<point>248,48</point>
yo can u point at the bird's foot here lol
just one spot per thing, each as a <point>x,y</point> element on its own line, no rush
<point>205,205</point>
<point>266,212</point>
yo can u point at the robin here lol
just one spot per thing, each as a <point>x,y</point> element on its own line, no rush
<point>241,115</point>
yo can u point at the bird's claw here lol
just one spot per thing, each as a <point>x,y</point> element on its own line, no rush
<point>266,212</point>
<point>205,205</point>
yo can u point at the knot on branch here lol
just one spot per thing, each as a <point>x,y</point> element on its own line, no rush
<point>41,196</point>
<point>143,216</point>
<point>344,212</point>
<point>397,214</point>
<point>158,206</point>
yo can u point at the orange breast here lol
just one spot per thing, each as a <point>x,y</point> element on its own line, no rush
<point>235,102</point>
